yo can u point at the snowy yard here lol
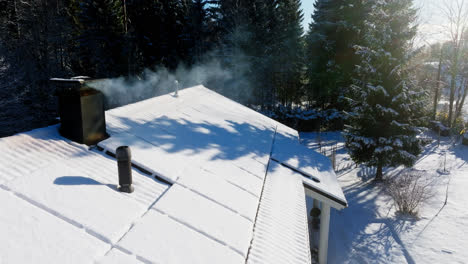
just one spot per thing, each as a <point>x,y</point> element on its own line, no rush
<point>371,231</point>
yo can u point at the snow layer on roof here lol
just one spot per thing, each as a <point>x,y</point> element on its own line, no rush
<point>212,150</point>
<point>244,204</point>
<point>116,256</point>
<point>318,168</point>
<point>32,235</point>
<point>207,217</point>
<point>158,238</point>
<point>68,200</point>
<point>279,235</point>
<point>80,185</point>
<point>198,127</point>
<point>215,151</point>
<point>25,153</point>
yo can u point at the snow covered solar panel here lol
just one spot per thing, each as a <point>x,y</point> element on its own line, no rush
<point>212,152</point>
<point>158,238</point>
<point>318,170</point>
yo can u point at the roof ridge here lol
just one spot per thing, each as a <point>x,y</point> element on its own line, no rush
<point>261,194</point>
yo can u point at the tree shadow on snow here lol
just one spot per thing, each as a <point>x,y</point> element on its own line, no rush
<point>362,233</point>
<point>230,139</point>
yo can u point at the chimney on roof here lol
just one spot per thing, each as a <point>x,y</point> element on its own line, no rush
<point>81,110</point>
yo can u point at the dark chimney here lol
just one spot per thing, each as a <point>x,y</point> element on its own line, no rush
<point>124,163</point>
<point>81,111</point>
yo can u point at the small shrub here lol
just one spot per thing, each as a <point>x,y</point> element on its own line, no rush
<point>465,138</point>
<point>409,189</point>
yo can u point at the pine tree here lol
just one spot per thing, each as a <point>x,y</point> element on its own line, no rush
<point>146,32</point>
<point>386,105</point>
<point>337,26</point>
<point>262,48</point>
<point>196,32</point>
<point>247,38</point>
<point>261,42</point>
<point>167,32</point>
<point>100,37</point>
<point>289,58</point>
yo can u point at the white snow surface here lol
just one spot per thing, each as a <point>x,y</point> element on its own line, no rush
<point>274,229</point>
<point>63,206</point>
<point>371,230</point>
<point>160,239</point>
<point>32,235</point>
<point>220,150</point>
<point>207,217</point>
<point>116,256</point>
<point>290,152</point>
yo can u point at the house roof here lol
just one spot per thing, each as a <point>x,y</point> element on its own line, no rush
<point>206,189</point>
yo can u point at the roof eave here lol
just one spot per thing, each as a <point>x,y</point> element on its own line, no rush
<point>315,193</point>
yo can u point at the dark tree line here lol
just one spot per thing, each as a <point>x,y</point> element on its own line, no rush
<point>258,40</point>
<point>353,59</point>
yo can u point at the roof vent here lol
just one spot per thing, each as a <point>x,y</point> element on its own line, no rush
<point>176,84</point>
<point>81,111</point>
<point>124,163</point>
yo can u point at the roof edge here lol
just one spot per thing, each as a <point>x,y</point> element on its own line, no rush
<point>334,202</point>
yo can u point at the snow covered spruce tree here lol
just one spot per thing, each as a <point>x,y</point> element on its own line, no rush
<point>337,26</point>
<point>386,106</point>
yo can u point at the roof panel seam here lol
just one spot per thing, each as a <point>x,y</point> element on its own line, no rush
<point>216,202</point>
<point>140,166</point>
<point>115,245</point>
<point>56,214</point>
<point>76,224</point>
<point>233,183</point>
<point>191,227</point>
<point>253,174</point>
<point>242,188</point>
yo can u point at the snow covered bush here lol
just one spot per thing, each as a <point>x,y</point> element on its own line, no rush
<point>442,120</point>
<point>438,127</point>
<point>409,190</point>
<point>465,139</point>
<point>305,119</point>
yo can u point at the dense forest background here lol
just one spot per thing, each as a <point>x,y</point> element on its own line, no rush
<point>259,42</point>
<point>253,51</point>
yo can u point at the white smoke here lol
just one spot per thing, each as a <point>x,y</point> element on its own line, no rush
<point>125,90</point>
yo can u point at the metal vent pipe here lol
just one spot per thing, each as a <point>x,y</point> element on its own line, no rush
<point>124,163</point>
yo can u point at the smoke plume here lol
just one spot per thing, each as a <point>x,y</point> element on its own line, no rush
<point>125,90</point>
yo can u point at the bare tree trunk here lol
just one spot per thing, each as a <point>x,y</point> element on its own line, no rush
<point>436,95</point>
<point>379,173</point>
<point>453,71</point>
<point>457,98</point>
<point>462,102</point>
<point>125,16</point>
<point>457,14</point>
<point>18,29</point>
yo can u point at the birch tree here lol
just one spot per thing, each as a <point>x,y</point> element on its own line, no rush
<point>456,13</point>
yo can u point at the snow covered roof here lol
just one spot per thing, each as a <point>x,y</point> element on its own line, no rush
<point>216,183</point>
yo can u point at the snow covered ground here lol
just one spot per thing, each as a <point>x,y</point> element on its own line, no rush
<point>371,231</point>
<point>444,105</point>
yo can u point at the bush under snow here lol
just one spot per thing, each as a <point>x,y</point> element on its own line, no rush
<point>409,189</point>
